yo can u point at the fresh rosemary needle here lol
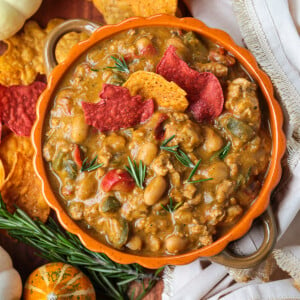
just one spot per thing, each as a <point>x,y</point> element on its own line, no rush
<point>223,152</point>
<point>120,64</point>
<point>193,173</point>
<point>55,244</point>
<point>200,180</point>
<point>90,166</point>
<point>180,155</point>
<point>170,207</point>
<point>194,170</point>
<point>138,173</point>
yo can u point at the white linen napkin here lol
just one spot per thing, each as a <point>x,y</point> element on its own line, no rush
<point>269,29</point>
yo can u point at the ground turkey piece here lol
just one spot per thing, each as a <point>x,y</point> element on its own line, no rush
<point>187,135</point>
<point>242,101</point>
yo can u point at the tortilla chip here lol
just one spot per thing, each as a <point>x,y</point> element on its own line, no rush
<point>23,189</point>
<point>147,8</point>
<point>10,146</point>
<point>204,91</point>
<point>23,60</point>
<point>2,173</point>
<point>65,44</point>
<point>151,85</point>
<point>18,106</point>
<point>115,11</point>
<point>117,109</point>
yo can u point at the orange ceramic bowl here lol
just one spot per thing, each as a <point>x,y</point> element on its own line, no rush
<point>275,119</point>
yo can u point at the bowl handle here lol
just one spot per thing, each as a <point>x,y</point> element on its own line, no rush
<point>78,25</point>
<point>229,259</point>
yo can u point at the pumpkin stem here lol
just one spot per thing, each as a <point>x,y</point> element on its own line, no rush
<point>51,296</point>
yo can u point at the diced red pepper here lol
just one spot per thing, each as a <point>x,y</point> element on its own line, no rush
<point>148,50</point>
<point>159,130</point>
<point>130,57</point>
<point>117,180</point>
<point>77,156</point>
<point>220,55</point>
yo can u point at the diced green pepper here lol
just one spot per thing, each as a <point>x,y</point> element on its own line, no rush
<point>240,129</point>
<point>118,237</point>
<point>110,204</point>
<point>57,163</point>
<point>199,50</point>
<point>71,168</point>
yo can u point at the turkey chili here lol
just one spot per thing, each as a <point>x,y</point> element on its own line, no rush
<point>157,141</point>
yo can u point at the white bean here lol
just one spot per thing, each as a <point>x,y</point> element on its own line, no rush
<point>175,244</point>
<point>135,243</point>
<point>79,129</point>
<point>154,243</point>
<point>155,189</point>
<point>87,187</point>
<point>218,171</point>
<point>212,142</point>
<point>147,153</point>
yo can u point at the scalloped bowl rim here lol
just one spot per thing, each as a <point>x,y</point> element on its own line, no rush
<point>276,121</point>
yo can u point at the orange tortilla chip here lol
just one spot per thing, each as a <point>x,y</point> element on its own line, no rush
<point>23,189</point>
<point>147,8</point>
<point>10,146</point>
<point>65,44</point>
<point>151,85</point>
<point>115,11</point>
<point>23,59</point>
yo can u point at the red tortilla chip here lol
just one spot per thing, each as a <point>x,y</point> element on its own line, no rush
<point>18,106</point>
<point>117,109</point>
<point>204,90</point>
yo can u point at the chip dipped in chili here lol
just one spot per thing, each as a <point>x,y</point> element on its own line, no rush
<point>117,109</point>
<point>204,90</point>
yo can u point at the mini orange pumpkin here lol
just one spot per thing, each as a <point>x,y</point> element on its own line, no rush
<point>57,281</point>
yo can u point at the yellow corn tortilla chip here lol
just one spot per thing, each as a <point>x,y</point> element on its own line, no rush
<point>23,59</point>
<point>147,8</point>
<point>151,85</point>
<point>115,11</point>
<point>22,188</point>
<point>65,44</point>
<point>10,146</point>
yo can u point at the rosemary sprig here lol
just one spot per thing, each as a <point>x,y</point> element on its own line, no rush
<point>90,166</point>
<point>223,152</point>
<point>164,146</point>
<point>138,173</point>
<point>248,175</point>
<point>55,244</point>
<point>194,171</point>
<point>200,180</point>
<point>94,70</point>
<point>170,207</point>
<point>180,155</point>
<point>120,64</point>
